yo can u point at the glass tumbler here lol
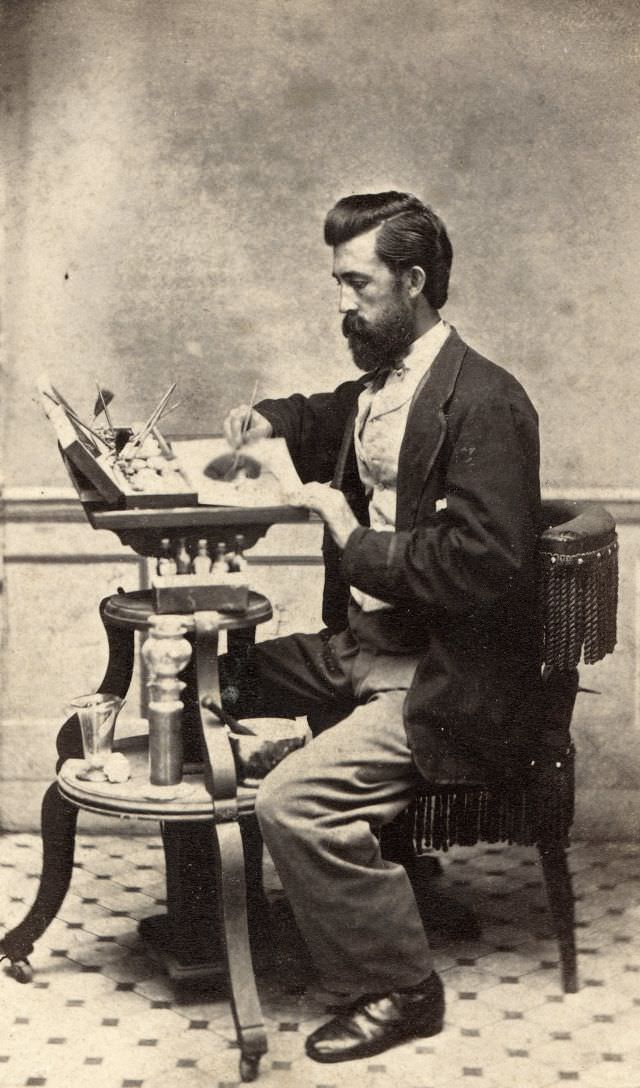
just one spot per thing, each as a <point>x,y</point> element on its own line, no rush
<point>97,715</point>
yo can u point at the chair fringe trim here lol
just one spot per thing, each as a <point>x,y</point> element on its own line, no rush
<point>538,812</point>
<point>579,601</point>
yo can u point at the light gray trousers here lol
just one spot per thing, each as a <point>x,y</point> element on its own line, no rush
<point>319,810</point>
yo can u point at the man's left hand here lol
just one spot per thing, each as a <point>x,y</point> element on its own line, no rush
<point>332,507</point>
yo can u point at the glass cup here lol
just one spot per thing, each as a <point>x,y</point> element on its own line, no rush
<point>97,715</point>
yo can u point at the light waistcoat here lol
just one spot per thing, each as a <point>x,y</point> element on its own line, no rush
<point>379,429</point>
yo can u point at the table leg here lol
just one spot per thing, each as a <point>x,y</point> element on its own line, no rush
<point>58,841</point>
<point>59,817</point>
<point>117,678</point>
<point>245,1004</point>
<point>220,774</point>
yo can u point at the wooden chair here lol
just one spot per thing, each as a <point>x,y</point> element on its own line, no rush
<point>535,805</point>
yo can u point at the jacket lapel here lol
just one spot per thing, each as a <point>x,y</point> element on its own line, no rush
<point>426,428</point>
<point>423,438</point>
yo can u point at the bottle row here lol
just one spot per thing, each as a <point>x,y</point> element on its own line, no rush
<point>178,559</point>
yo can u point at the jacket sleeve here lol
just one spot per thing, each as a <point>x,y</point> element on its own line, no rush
<point>468,555</point>
<point>313,427</point>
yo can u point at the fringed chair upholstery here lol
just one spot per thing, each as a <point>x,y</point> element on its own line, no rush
<point>534,804</point>
<point>578,586</point>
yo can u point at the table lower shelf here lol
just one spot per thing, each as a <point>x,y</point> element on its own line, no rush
<point>137,798</point>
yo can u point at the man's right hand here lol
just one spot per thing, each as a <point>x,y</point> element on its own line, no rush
<point>245,424</point>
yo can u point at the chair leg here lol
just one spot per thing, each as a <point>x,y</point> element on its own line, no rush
<point>232,900</point>
<point>561,901</point>
<point>59,820</point>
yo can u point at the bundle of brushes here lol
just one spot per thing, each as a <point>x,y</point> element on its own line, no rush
<point>139,452</point>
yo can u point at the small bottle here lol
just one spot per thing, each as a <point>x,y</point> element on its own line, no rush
<point>183,559</point>
<point>238,561</point>
<point>166,564</point>
<point>201,560</point>
<point>219,565</point>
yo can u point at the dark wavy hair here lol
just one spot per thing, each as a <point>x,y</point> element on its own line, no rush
<point>411,234</point>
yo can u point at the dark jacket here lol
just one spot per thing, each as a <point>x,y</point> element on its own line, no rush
<point>463,578</point>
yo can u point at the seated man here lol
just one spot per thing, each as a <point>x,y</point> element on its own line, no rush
<point>425,472</point>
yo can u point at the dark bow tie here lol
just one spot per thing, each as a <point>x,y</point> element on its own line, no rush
<point>382,373</point>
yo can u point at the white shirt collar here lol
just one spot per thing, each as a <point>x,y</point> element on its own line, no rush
<point>426,347</point>
<point>421,355</point>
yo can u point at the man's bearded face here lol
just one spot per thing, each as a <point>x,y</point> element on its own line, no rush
<point>385,340</point>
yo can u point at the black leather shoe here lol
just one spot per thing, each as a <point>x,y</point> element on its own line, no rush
<point>375,1023</point>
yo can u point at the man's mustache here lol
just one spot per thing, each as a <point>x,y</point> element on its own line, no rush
<point>353,325</point>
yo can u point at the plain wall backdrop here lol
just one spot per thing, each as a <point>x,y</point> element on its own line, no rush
<point>169,164</point>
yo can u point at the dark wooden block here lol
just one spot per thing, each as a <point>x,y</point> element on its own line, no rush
<point>186,593</point>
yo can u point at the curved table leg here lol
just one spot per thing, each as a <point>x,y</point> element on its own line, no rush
<point>220,774</point>
<point>59,818</point>
<point>117,678</point>
<point>245,1003</point>
<point>257,902</point>
<point>239,643</point>
<point>58,841</point>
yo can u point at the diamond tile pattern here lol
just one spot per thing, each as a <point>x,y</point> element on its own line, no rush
<point>101,1011</point>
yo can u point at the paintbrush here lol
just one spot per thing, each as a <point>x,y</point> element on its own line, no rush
<point>160,439</point>
<point>234,725</point>
<point>246,421</point>
<point>169,410</point>
<point>105,396</point>
<point>138,439</point>
<point>76,418</point>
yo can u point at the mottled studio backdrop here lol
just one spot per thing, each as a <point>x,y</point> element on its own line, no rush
<point>170,163</point>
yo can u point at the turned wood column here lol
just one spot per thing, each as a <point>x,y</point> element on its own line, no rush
<point>166,652</point>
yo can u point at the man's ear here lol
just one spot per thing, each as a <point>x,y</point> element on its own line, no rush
<point>415,280</point>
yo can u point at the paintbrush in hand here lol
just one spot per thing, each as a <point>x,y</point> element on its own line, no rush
<point>246,423</point>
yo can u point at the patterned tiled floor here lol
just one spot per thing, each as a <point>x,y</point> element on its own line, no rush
<point>101,1013</point>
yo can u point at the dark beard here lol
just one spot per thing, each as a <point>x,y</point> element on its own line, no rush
<point>382,345</point>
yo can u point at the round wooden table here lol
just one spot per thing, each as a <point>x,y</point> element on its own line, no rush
<point>137,798</point>
<point>183,648</point>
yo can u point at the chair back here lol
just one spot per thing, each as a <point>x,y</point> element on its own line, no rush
<point>577,600</point>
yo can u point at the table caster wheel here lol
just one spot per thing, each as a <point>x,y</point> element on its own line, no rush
<point>21,970</point>
<point>248,1068</point>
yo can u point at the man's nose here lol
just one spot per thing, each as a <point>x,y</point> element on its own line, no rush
<point>347,300</point>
